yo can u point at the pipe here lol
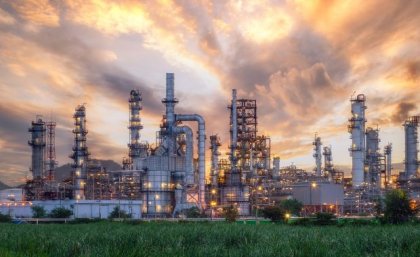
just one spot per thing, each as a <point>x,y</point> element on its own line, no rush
<point>201,151</point>
<point>234,131</point>
<point>189,174</point>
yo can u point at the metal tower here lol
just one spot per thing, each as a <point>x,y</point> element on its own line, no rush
<point>357,130</point>
<point>135,126</point>
<point>50,162</point>
<point>214,147</point>
<point>411,146</point>
<point>38,144</point>
<point>373,157</point>
<point>317,154</point>
<point>388,161</point>
<point>328,162</point>
<point>80,152</point>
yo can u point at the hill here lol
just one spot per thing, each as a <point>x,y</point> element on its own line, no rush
<point>3,186</point>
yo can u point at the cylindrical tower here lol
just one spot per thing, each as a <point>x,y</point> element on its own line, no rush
<point>411,146</point>
<point>328,162</point>
<point>372,157</point>
<point>50,162</point>
<point>80,153</point>
<point>357,129</point>
<point>233,130</point>
<point>38,144</point>
<point>276,167</point>
<point>388,159</point>
<point>317,155</point>
<point>214,147</point>
<point>134,146</point>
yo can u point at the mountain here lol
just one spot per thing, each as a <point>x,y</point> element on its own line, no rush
<point>3,186</point>
<point>64,172</point>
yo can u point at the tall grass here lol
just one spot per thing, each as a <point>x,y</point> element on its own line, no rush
<point>206,239</point>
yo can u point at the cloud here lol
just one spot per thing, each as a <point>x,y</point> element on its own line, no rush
<point>402,112</point>
<point>37,12</point>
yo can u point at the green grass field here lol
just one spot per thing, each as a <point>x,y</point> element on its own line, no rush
<point>206,239</point>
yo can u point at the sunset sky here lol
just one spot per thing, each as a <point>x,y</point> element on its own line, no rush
<point>301,60</point>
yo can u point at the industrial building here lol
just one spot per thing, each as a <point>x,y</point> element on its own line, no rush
<point>164,179</point>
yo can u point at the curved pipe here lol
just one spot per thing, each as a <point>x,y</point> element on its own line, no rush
<point>201,151</point>
<point>189,174</point>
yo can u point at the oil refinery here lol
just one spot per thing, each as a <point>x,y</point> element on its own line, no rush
<point>165,179</point>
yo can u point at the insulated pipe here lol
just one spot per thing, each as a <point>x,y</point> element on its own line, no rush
<point>189,174</point>
<point>201,151</point>
<point>234,130</point>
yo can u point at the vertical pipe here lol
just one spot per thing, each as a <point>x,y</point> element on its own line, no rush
<point>214,147</point>
<point>134,127</point>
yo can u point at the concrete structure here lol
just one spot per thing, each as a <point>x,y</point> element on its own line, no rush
<point>357,130</point>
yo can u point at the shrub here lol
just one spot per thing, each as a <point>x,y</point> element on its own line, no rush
<point>194,212</point>
<point>118,213</point>
<point>302,222</point>
<point>5,218</point>
<point>291,206</point>
<point>61,212</point>
<point>324,218</point>
<point>38,212</point>
<point>397,207</point>
<point>230,213</point>
<point>274,213</point>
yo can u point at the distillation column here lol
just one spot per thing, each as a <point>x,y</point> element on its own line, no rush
<point>328,161</point>
<point>411,146</point>
<point>372,157</point>
<point>233,131</point>
<point>80,153</point>
<point>317,154</point>
<point>51,162</point>
<point>388,160</point>
<point>214,147</point>
<point>357,129</point>
<point>135,126</point>
<point>276,167</point>
<point>38,144</point>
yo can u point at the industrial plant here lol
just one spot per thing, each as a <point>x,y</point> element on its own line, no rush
<point>166,178</point>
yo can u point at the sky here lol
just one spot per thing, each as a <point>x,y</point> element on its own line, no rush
<point>301,60</point>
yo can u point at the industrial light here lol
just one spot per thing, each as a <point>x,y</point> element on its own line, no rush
<point>314,184</point>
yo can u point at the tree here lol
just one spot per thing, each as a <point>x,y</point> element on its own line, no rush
<point>118,213</point>
<point>61,212</point>
<point>397,207</point>
<point>291,206</point>
<point>230,213</point>
<point>274,213</point>
<point>38,212</point>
